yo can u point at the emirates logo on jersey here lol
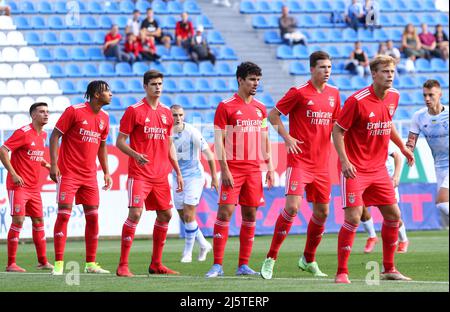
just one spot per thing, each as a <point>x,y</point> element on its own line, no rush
<point>101,125</point>
<point>164,119</point>
<point>331,101</point>
<point>259,113</point>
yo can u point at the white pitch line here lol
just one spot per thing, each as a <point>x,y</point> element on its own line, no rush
<point>226,277</point>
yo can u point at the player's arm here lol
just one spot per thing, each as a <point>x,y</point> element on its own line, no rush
<point>122,145</point>
<point>174,161</point>
<point>395,137</point>
<point>4,157</point>
<point>348,169</point>
<point>219,139</point>
<point>412,141</point>
<point>212,167</point>
<point>292,144</point>
<point>45,164</point>
<point>103,159</point>
<point>397,167</point>
<point>267,156</point>
<point>54,144</point>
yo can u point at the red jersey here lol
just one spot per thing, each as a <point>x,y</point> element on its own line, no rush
<point>367,121</point>
<point>27,152</point>
<point>311,117</point>
<point>149,130</point>
<point>184,29</point>
<point>82,130</point>
<point>110,37</point>
<point>243,123</point>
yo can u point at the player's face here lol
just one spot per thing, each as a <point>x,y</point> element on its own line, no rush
<point>249,84</point>
<point>40,115</point>
<point>105,97</point>
<point>383,77</point>
<point>178,116</point>
<point>154,88</point>
<point>432,97</point>
<point>322,71</point>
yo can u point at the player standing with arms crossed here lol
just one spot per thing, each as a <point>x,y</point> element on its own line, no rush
<point>312,108</point>
<point>366,121</point>
<point>22,183</point>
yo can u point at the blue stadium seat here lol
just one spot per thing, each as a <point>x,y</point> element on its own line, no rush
<point>191,69</point>
<point>99,37</point>
<point>159,67</point>
<point>220,85</point>
<point>77,100</point>
<point>72,70</point>
<point>78,54</point>
<point>78,6</point>
<point>214,37</point>
<point>203,85</point>
<point>135,86</point>
<point>247,7</point>
<point>203,20</point>
<point>139,68</point>
<point>366,35</point>
<point>194,117</point>
<point>300,51</point>
<point>310,7</point>
<point>398,20</point>
<point>400,6</point>
<point>406,99</point>
<point>267,99</point>
<point>50,38</point>
<point>415,6</point>
<point>81,86</point>
<point>44,54</point>
<point>60,7</point>
<point>233,84</point>
<point>124,69</point>
<point>422,65</point>
<point>61,54</point>
<point>343,84</point>
<point>89,70</point>
<point>105,22</point>
<point>191,7</point>
<point>143,5</point>
<point>430,5</point>
<point>349,35</point>
<point>84,37</point>
<point>285,52</point>
<point>160,7</point>
<point>297,68</point>
<point>214,100</point>
<point>199,102</point>
<point>95,54</point>
<point>178,53</point>
<point>183,100</point>
<point>55,70</point>
<point>385,20</point>
<point>118,86</point>
<point>407,82</point>
<point>324,21</point>
<point>272,37</point>
<point>402,114</point>
<point>67,37</point>
<point>168,22</point>
<point>319,35</point>
<point>186,85</point>
<point>227,53</point>
<point>38,22</point>
<point>414,19</point>
<point>380,35</point>
<point>126,6</point>
<point>121,21</point>
<point>307,21</point>
<point>418,97</point>
<point>128,101</point>
<point>387,5</point>
<point>113,7</point>
<point>89,22</point>
<point>264,7</point>
<point>171,86</point>
<point>294,6</point>
<point>174,7</point>
<point>443,19</point>
<point>27,7</point>
<point>358,82</point>
<point>22,23</point>
<point>106,70</point>
<point>207,69</point>
<point>276,6</point>
<point>338,5</point>
<point>442,81</point>
<point>395,34</point>
<point>222,69</point>
<point>94,7</point>
<point>429,19</point>
<point>175,69</point>
<point>33,38</point>
<point>166,100</point>
<point>113,122</point>
<point>209,117</point>
<point>56,22</point>
<point>68,87</point>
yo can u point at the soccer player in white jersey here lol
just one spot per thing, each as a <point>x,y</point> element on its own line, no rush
<point>432,121</point>
<point>393,165</point>
<point>188,143</point>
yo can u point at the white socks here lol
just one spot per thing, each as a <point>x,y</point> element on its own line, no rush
<point>402,233</point>
<point>190,231</point>
<point>443,207</point>
<point>369,227</point>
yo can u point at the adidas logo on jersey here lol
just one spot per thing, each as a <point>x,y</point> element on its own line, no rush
<point>261,200</point>
<point>239,112</point>
<point>33,144</point>
<point>85,122</point>
<point>310,102</point>
<point>371,114</point>
<point>147,119</point>
<point>59,234</point>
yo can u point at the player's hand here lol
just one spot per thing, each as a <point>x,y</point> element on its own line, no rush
<point>108,182</point>
<point>348,170</point>
<point>293,145</point>
<point>269,179</point>
<point>227,178</point>
<point>215,184</point>
<point>17,180</point>
<point>395,181</point>
<point>54,173</point>
<point>141,160</point>
<point>409,155</point>
<point>180,183</point>
<point>45,164</point>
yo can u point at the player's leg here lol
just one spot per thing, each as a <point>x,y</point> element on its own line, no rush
<point>442,196</point>
<point>246,239</point>
<point>367,222</point>
<point>17,202</point>
<point>190,232</point>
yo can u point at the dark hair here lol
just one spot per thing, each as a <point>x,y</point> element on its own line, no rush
<point>94,87</point>
<point>36,105</point>
<point>431,83</point>
<point>176,106</point>
<point>317,56</point>
<point>152,74</point>
<point>247,68</point>
<point>135,11</point>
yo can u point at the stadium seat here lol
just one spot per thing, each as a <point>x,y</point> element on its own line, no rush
<point>24,103</point>
<point>60,7</point>
<point>310,7</point>
<point>398,20</point>
<point>27,7</point>
<point>272,37</point>
<point>407,82</point>
<point>61,54</point>
<point>89,70</point>
<point>56,70</point>
<point>81,86</point>
<point>227,53</point>
<point>214,100</point>
<point>6,23</point>
<point>89,22</point>
<point>166,100</point>
<point>9,104</point>
<point>294,6</point>
<point>32,38</point>
<point>3,88</point>
<point>22,23</point>
<point>99,37</point>
<point>5,122</point>
<point>300,51</point>
<point>27,54</point>
<point>220,85</point>
<point>191,7</point>
<point>400,6</point>
<point>175,69</point>
<point>178,53</point>
<point>95,54</point>
<point>194,117</point>
<point>68,87</point>
<point>349,35</point>
<point>113,7</point>
<point>6,71</point>
<point>72,70</point>
<point>184,101</point>
<point>20,120</point>
<point>84,37</point>
<point>414,19</point>
<point>78,54</point>
<point>247,7</point>
<point>33,86</point>
<point>121,21</point>
<point>105,22</point>
<point>442,81</point>
<point>297,68</point>
<point>267,99</point>
<point>387,5</point>
<point>50,38</point>
<point>159,67</point>
<point>208,69</point>
<point>191,69</point>
<point>422,65</point>
<point>67,37</point>
<point>223,69</point>
<point>56,22</point>
<point>415,6</point>
<point>209,119</point>
<point>142,6</point>
<point>203,85</point>
<point>285,52</point>
<point>438,65</point>
<point>139,68</point>
<point>308,21</point>
<point>174,7</point>
<point>135,86</point>
<point>171,86</point>
<point>326,6</point>
<point>214,37</point>
<point>106,69</point>
<point>199,102</point>
<point>128,101</point>
<point>94,7</point>
<point>260,22</point>
<point>21,70</point>
<point>124,69</point>
<point>126,6</point>
<point>406,99</point>
<point>443,19</point>
<point>186,85</point>
<point>10,54</point>
<point>118,86</point>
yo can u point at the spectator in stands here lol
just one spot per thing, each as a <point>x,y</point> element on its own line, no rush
<point>133,47</point>
<point>359,61</point>
<point>134,24</point>
<point>428,41</point>
<point>111,48</point>
<point>354,16</point>
<point>150,28</point>
<point>442,41</point>
<point>411,45</point>
<point>198,47</point>
<point>4,8</point>
<point>148,49</point>
<point>225,3</point>
<point>184,30</point>
<point>388,48</point>
<point>288,28</point>
<point>372,14</point>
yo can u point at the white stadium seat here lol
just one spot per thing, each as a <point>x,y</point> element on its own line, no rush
<point>52,119</point>
<point>3,39</point>
<point>39,71</point>
<point>21,70</point>
<point>46,99</point>
<point>51,87</point>
<point>6,71</point>
<point>5,121</point>
<point>15,38</point>
<point>24,103</point>
<point>9,104</point>
<point>33,86</point>
<point>60,103</point>
<point>15,87</point>
<point>6,23</point>
<point>3,88</point>
<point>10,54</point>
<point>27,54</point>
<point>20,120</point>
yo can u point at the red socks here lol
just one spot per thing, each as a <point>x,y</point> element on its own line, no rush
<point>40,243</point>
<point>128,230</point>
<point>13,242</point>
<point>345,242</point>
<point>389,234</point>
<point>246,238</point>
<point>220,240</point>
<point>282,228</point>
<point>91,234</point>
<point>60,233</point>
<point>316,227</point>
<point>159,239</point>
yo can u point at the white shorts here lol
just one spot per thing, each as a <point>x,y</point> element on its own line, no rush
<point>442,177</point>
<point>191,194</point>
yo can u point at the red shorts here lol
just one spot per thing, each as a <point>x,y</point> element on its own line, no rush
<point>85,192</point>
<point>316,184</point>
<point>248,188</point>
<point>156,196</point>
<point>25,202</point>
<point>368,189</point>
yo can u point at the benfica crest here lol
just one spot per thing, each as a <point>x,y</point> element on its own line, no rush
<point>294,185</point>
<point>62,196</point>
<point>164,119</point>
<point>102,124</point>
<point>224,195</point>
<point>259,113</point>
<point>331,101</point>
<point>391,109</point>
<point>136,199</point>
<point>351,198</point>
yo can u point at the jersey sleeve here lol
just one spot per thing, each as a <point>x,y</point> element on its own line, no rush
<point>106,130</point>
<point>15,141</point>
<point>127,122</point>
<point>415,128</point>
<point>220,117</point>
<point>199,140</point>
<point>288,101</point>
<point>170,126</point>
<point>65,121</point>
<point>348,114</point>
<point>337,107</point>
<point>264,124</point>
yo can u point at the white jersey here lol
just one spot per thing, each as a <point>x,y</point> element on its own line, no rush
<point>435,130</point>
<point>189,143</point>
<point>390,164</point>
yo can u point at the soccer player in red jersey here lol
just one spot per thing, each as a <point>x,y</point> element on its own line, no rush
<point>84,129</point>
<point>27,157</point>
<point>148,124</point>
<point>242,147</point>
<point>361,136</point>
<point>312,109</point>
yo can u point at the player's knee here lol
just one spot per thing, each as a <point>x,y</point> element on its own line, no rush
<point>164,216</point>
<point>37,220</point>
<point>291,210</point>
<point>18,220</point>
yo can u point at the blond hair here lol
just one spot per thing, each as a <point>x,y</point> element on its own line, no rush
<point>381,60</point>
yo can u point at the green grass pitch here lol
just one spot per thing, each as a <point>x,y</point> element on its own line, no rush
<point>427,262</point>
